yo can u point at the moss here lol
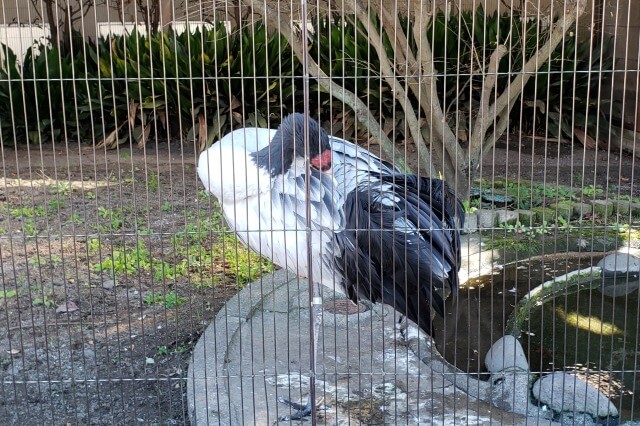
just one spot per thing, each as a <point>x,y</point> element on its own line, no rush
<point>526,217</point>
<point>582,209</point>
<point>626,208</point>
<point>560,286</point>
<point>603,208</point>
<point>543,214</point>
<point>562,209</point>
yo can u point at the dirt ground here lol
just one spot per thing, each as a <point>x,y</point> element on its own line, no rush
<point>113,263</point>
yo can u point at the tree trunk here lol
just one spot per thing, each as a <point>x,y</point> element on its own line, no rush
<point>53,22</point>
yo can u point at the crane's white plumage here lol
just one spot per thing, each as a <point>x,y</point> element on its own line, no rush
<point>376,233</point>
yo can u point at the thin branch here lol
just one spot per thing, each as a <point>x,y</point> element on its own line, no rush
<point>399,94</point>
<point>429,98</point>
<point>390,22</point>
<point>484,119</point>
<point>499,129</point>
<point>363,114</point>
<point>505,101</point>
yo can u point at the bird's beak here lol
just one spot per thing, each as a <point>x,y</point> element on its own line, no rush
<point>328,170</point>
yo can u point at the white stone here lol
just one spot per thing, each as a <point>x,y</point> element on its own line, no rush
<point>620,262</point>
<point>567,392</point>
<point>506,353</point>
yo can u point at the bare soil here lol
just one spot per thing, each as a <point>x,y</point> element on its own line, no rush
<point>79,345</point>
<point>84,344</point>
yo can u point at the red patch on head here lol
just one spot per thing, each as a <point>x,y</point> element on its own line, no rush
<point>322,161</point>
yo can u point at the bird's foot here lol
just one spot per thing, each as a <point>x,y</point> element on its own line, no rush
<point>302,410</point>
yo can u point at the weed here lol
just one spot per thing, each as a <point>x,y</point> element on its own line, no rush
<point>182,348</point>
<point>164,270</point>
<point>166,207</point>
<point>164,349</point>
<point>91,195</point>
<point>27,211</point>
<point>37,261</point>
<point>113,217</point>
<point>627,197</point>
<point>76,218</point>
<point>125,261</point>
<point>170,300</point>
<point>55,205</point>
<point>553,191</point>
<point>125,154</point>
<point>469,206</point>
<point>153,181</point>
<point>61,188</point>
<point>94,245</point>
<point>8,294</point>
<point>43,301</point>
<point>55,259</point>
<point>244,264</point>
<point>30,228</point>
<point>591,191</point>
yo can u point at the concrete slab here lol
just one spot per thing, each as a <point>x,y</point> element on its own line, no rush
<point>257,350</point>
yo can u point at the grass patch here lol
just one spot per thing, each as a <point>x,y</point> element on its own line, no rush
<point>169,300</point>
<point>27,211</point>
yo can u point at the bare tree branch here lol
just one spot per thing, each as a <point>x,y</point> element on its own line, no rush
<point>363,114</point>
<point>505,101</point>
<point>399,94</point>
<point>484,119</point>
<point>391,25</point>
<point>429,98</point>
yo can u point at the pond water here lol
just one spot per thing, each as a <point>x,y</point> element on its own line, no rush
<point>587,332</point>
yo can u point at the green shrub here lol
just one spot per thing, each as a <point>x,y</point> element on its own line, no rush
<point>206,81</point>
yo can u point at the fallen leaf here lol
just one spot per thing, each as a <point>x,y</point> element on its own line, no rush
<point>13,352</point>
<point>67,307</point>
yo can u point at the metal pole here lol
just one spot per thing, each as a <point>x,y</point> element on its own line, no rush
<point>315,299</point>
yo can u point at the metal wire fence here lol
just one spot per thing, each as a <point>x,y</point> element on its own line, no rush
<point>151,274</point>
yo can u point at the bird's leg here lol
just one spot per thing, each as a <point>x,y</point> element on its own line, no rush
<point>305,410</point>
<point>301,410</point>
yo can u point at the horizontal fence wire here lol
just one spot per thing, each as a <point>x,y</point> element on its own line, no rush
<point>164,258</point>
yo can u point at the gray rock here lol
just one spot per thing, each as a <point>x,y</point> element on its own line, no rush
<point>619,262</point>
<point>577,419</point>
<point>470,223</point>
<point>109,284</point>
<point>582,209</point>
<point>506,353</point>
<point>567,392</point>
<point>510,392</point>
<point>507,216</point>
<point>603,208</point>
<point>486,218</point>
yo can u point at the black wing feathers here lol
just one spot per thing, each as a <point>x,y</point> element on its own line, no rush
<point>401,243</point>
